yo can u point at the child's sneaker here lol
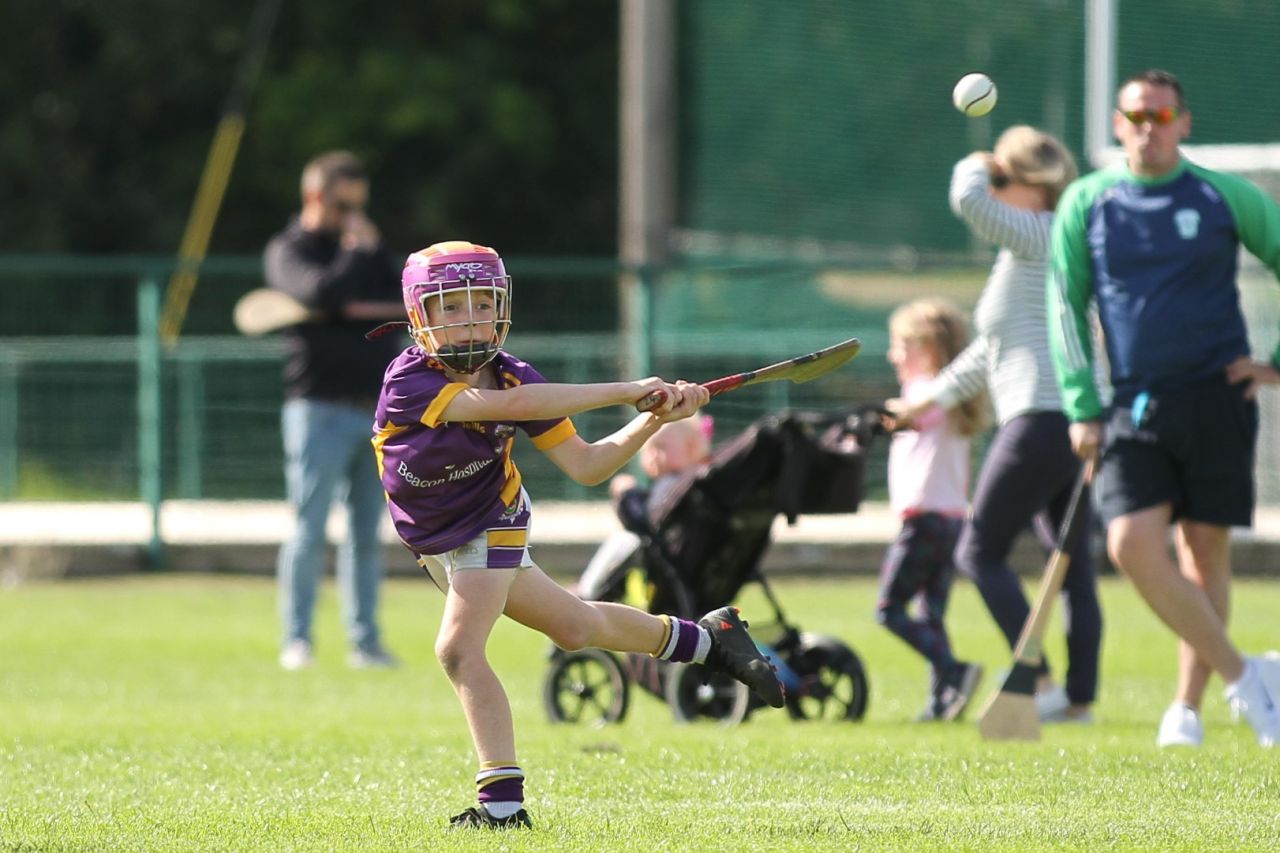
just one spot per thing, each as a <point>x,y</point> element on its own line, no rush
<point>1180,726</point>
<point>1250,699</point>
<point>476,818</point>
<point>958,689</point>
<point>932,710</point>
<point>733,651</point>
<point>933,706</point>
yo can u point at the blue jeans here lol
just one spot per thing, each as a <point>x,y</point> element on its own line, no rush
<point>328,455</point>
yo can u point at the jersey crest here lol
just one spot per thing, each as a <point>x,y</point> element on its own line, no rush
<point>1187,221</point>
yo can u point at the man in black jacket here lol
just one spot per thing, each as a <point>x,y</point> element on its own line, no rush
<point>331,259</point>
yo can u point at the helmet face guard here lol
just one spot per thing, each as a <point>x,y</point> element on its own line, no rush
<point>471,274</point>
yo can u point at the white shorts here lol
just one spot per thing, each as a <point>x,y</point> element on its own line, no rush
<point>504,546</point>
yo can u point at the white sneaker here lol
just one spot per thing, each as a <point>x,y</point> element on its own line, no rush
<point>296,655</point>
<point>1180,726</point>
<point>1052,704</point>
<point>1269,668</point>
<point>1250,699</point>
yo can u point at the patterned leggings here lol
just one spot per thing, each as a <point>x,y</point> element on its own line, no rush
<point>919,565</point>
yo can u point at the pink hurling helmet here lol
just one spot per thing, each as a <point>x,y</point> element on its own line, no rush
<point>451,267</point>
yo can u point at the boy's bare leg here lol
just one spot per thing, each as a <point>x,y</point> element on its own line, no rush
<point>1204,558</point>
<point>719,639</point>
<point>475,601</point>
<point>1138,545</point>
<point>540,603</point>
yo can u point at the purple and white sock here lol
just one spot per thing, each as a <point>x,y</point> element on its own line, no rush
<point>685,641</point>
<point>500,788</point>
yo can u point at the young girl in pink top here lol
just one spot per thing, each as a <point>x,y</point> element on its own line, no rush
<point>928,488</point>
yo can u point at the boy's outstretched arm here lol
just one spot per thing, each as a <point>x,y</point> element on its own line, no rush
<point>545,400</point>
<point>591,464</point>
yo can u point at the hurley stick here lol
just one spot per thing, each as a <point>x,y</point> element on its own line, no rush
<point>1011,713</point>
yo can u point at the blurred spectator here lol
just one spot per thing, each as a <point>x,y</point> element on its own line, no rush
<point>331,258</point>
<point>1007,197</point>
<point>929,490</point>
<point>1154,243</point>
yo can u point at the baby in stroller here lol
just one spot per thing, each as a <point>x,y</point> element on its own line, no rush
<point>676,448</point>
<point>701,535</point>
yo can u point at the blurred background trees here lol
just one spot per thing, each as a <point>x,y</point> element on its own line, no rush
<point>496,120</point>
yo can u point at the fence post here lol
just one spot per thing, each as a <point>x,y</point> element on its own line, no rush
<point>637,311</point>
<point>150,412</point>
<point>191,414</point>
<point>9,428</point>
<point>647,173</point>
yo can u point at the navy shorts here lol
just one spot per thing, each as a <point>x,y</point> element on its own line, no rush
<point>1192,448</point>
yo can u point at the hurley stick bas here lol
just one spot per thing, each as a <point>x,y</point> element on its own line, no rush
<point>267,310</point>
<point>1011,713</point>
<point>802,368</point>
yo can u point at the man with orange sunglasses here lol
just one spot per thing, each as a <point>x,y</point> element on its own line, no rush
<point>1154,243</point>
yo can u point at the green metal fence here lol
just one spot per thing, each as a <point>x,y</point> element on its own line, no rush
<point>828,123</point>
<point>106,412</point>
<point>117,416</point>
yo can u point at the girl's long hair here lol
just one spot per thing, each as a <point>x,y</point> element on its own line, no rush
<point>941,325</point>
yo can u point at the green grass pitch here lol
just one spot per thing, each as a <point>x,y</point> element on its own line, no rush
<point>147,713</point>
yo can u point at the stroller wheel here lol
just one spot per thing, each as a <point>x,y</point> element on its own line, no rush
<point>586,686</point>
<point>833,685</point>
<point>695,692</point>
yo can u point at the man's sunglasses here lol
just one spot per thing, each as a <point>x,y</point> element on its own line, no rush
<point>342,205</point>
<point>1162,116</point>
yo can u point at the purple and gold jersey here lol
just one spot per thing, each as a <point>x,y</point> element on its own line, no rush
<point>448,481</point>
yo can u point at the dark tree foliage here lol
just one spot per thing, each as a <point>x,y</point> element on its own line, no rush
<point>492,120</point>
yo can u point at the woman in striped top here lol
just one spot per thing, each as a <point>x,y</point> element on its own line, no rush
<point>1007,197</point>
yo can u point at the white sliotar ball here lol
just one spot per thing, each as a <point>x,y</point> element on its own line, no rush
<point>974,94</point>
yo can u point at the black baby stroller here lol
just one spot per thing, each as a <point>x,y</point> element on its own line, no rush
<point>697,548</point>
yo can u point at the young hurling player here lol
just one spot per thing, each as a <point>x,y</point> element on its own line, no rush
<point>445,425</point>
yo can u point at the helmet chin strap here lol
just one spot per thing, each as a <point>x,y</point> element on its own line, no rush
<point>467,358</point>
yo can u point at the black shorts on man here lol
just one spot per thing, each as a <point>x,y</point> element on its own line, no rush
<point>1192,448</point>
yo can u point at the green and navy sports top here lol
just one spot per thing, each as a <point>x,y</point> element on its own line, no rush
<point>1159,257</point>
